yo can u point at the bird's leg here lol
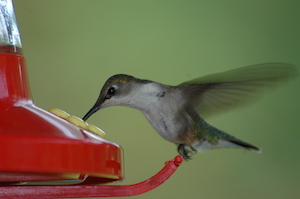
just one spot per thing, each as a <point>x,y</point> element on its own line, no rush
<point>186,151</point>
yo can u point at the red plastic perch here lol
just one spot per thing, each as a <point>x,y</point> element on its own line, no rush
<point>86,191</point>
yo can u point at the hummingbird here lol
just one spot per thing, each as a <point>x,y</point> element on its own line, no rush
<point>178,113</point>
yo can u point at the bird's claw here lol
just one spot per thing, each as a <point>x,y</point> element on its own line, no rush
<point>186,151</point>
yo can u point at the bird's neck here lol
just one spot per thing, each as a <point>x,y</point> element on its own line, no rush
<point>146,97</point>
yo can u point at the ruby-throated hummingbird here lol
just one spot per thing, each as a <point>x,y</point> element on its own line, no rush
<point>173,110</point>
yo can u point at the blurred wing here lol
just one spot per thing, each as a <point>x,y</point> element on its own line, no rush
<point>223,91</point>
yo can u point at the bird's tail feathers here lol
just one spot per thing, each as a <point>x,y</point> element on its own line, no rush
<point>246,145</point>
<point>224,141</point>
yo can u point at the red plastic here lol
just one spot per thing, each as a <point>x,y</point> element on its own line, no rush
<point>39,148</point>
<point>79,191</point>
<point>37,145</point>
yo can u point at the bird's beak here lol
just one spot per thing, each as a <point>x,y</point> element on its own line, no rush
<point>94,109</point>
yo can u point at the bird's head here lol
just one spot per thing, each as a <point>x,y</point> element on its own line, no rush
<point>117,91</point>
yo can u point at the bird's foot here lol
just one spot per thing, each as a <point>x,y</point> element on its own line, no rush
<point>186,151</point>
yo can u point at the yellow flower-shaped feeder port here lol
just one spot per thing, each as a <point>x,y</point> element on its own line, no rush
<point>78,122</point>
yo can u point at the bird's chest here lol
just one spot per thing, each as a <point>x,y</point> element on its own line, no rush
<point>165,122</point>
<point>160,106</point>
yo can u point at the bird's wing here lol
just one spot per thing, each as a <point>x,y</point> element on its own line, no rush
<point>226,90</point>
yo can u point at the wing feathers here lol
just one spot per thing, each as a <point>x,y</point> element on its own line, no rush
<point>223,91</point>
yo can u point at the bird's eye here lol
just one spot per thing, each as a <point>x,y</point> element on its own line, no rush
<point>111,91</point>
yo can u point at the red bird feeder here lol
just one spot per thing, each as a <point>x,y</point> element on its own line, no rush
<point>40,148</point>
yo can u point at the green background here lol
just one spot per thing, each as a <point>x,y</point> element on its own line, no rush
<point>73,46</point>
